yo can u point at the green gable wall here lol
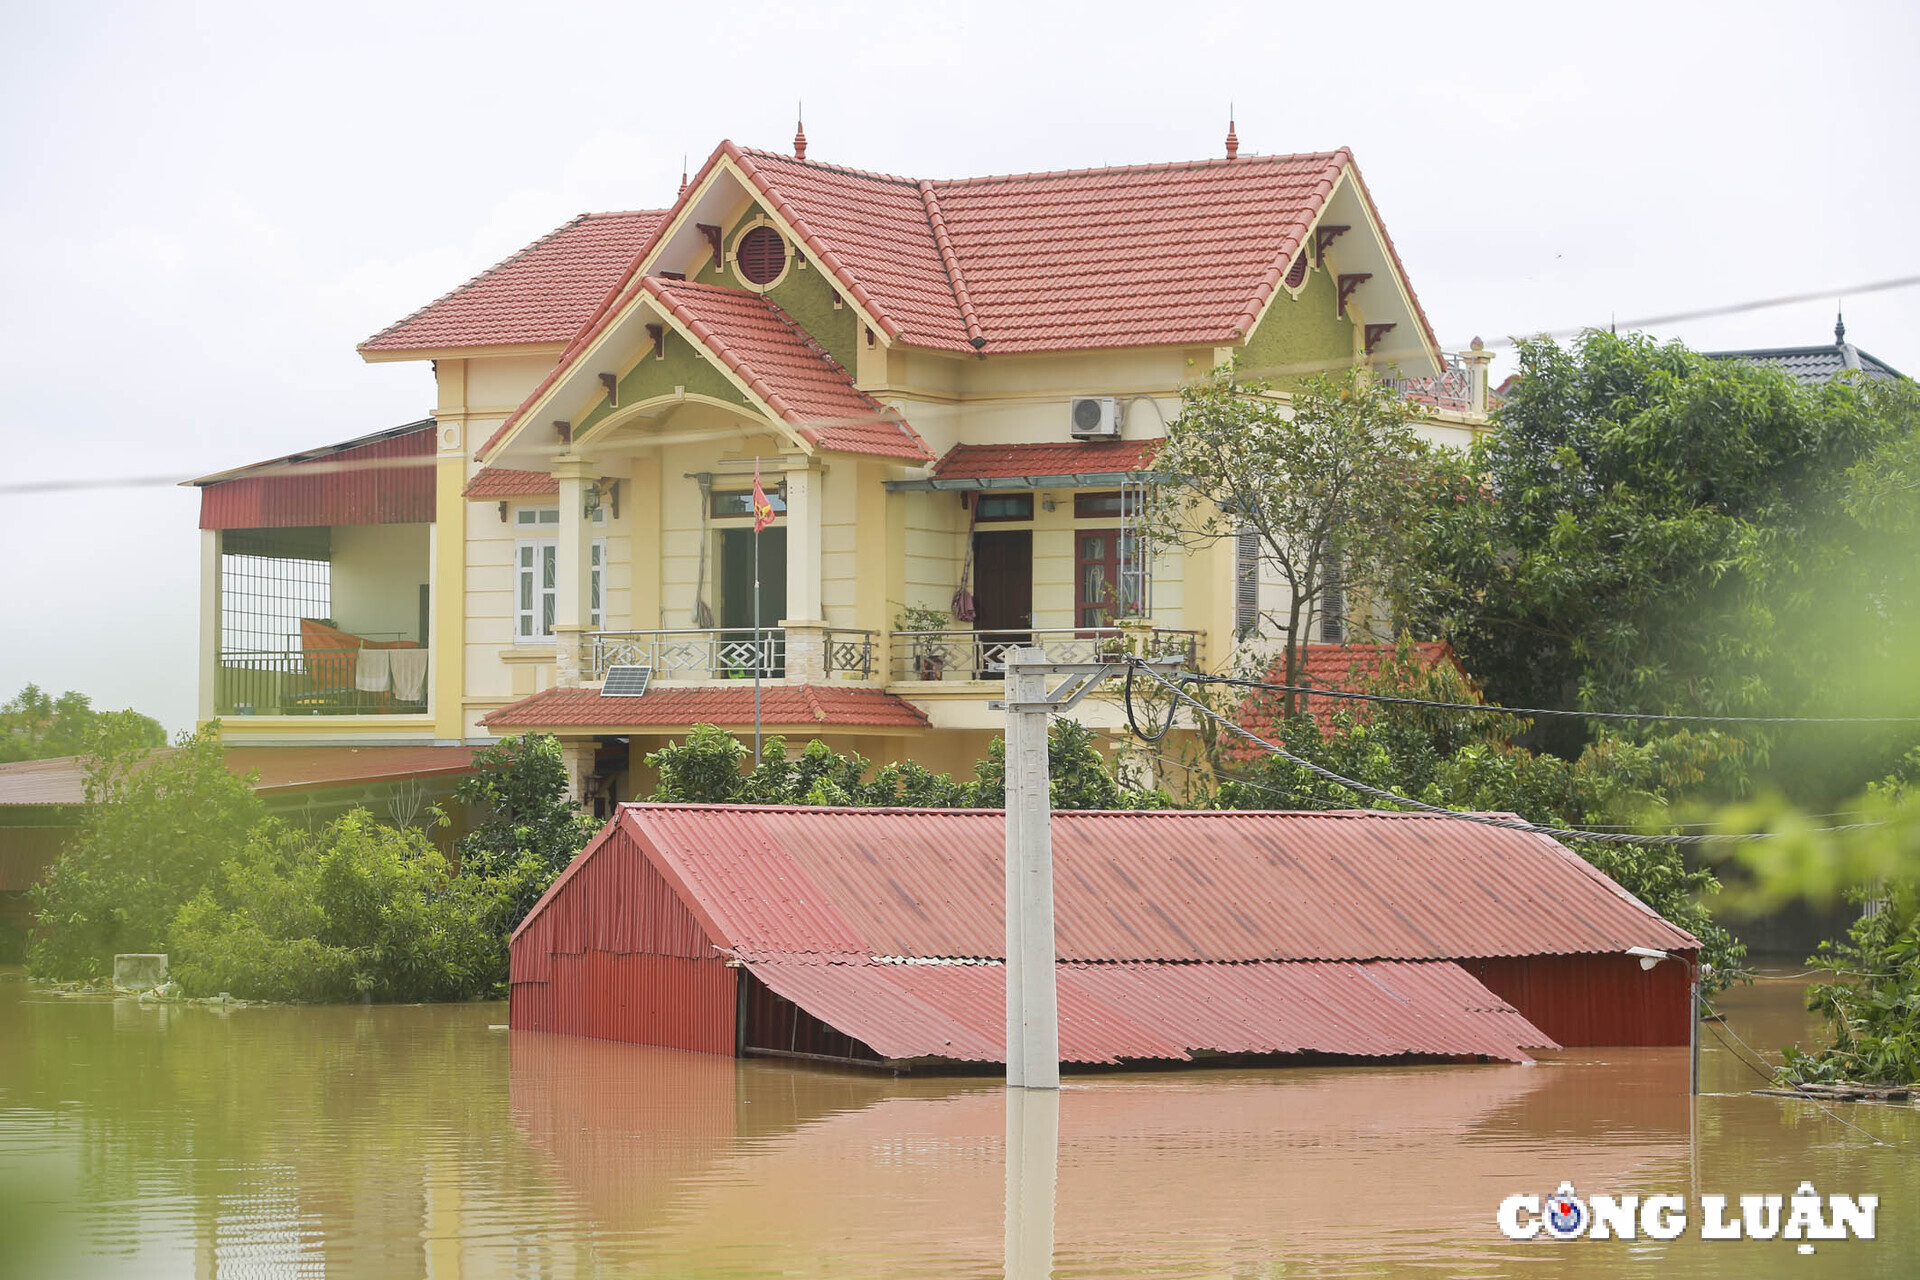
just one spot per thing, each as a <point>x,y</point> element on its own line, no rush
<point>806,295</point>
<point>683,366</point>
<point>1296,331</point>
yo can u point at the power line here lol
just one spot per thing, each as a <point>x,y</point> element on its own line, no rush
<point>1485,820</point>
<point>1643,717</point>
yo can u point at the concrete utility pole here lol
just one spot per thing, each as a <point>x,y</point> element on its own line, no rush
<point>1033,1009</point>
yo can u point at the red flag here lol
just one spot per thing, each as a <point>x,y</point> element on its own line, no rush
<point>762,509</point>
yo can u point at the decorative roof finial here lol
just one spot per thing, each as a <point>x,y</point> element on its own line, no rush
<point>1233,139</point>
<point>800,132</point>
<point>683,173</point>
<point>1839,326</point>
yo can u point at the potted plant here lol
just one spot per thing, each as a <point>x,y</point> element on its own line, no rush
<point>929,654</point>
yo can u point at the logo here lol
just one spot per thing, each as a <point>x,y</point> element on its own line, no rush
<point>1566,1215</point>
<point>1805,1215</point>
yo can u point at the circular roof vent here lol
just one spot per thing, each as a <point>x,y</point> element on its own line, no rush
<point>1298,276</point>
<point>761,255</point>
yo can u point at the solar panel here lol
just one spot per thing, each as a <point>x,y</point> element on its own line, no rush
<point>626,682</point>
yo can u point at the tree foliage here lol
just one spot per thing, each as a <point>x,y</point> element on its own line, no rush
<point>36,726</point>
<point>519,788</point>
<point>157,827</point>
<point>1331,484</point>
<point>1648,529</point>
<point>353,911</point>
<point>709,767</point>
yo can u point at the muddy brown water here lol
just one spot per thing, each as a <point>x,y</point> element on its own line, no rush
<point>180,1141</point>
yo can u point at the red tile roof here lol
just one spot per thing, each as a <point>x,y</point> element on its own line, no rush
<point>787,369</point>
<point>1113,1012</point>
<point>805,706</point>
<point>1350,668</point>
<point>1004,461</point>
<point>542,294</point>
<point>505,482</point>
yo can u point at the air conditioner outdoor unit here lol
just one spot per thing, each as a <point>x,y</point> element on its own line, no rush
<point>1095,418</point>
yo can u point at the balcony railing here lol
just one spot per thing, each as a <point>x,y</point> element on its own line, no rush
<point>312,682</point>
<point>724,653</point>
<point>981,655</point>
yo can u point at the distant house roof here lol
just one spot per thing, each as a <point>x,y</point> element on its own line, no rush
<point>807,707</point>
<point>541,295</point>
<point>1814,365</point>
<point>1348,668</point>
<point>62,781</point>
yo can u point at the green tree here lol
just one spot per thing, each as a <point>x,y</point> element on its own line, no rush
<point>34,726</point>
<point>1329,484</point>
<point>353,911</point>
<point>1647,529</point>
<point>156,829</point>
<point>529,830</point>
<point>1077,775</point>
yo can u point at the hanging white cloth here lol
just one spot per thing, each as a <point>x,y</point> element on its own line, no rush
<point>372,673</point>
<point>409,674</point>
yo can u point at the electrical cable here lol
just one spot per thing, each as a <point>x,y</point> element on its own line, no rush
<point>1769,1076</point>
<point>1173,712</point>
<point>1243,682</point>
<point>1481,819</point>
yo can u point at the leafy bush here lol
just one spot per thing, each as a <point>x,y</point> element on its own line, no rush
<point>356,910</point>
<point>708,767</point>
<point>157,828</point>
<point>520,786</point>
<point>1872,1007</point>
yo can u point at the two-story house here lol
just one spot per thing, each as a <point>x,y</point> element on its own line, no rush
<point>951,391</point>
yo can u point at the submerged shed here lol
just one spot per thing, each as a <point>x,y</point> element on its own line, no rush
<point>875,936</point>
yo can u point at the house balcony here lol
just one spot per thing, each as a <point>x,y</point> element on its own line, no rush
<point>329,675</point>
<point>710,654</point>
<point>929,657</point>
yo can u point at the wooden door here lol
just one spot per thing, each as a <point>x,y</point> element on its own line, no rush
<point>1002,595</point>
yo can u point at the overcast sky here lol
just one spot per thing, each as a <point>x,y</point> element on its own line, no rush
<point>205,207</point>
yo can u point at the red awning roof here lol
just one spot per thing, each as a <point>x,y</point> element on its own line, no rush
<point>383,478</point>
<point>542,294</point>
<point>1111,1012</point>
<point>1045,461</point>
<point>805,707</point>
<point>506,482</point>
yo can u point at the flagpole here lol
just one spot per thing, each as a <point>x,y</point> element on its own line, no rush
<point>756,635</point>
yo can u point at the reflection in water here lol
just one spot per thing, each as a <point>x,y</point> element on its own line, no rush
<point>183,1142</point>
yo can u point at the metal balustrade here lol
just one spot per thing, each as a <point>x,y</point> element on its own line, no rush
<point>305,682</point>
<point>981,655</point>
<point>726,653</point>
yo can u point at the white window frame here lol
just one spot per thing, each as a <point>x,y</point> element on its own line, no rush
<point>530,598</point>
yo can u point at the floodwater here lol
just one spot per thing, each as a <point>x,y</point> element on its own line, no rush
<point>181,1141</point>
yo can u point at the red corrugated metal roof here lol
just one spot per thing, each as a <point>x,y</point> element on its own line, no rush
<point>506,482</point>
<point>804,706</point>
<point>1168,885</point>
<point>62,781</point>
<point>542,294</point>
<point>1004,461</point>
<point>384,479</point>
<point>1111,1012</point>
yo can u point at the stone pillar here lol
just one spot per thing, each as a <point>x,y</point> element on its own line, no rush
<point>806,651</point>
<point>573,586</point>
<point>577,755</point>
<point>1477,359</point>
